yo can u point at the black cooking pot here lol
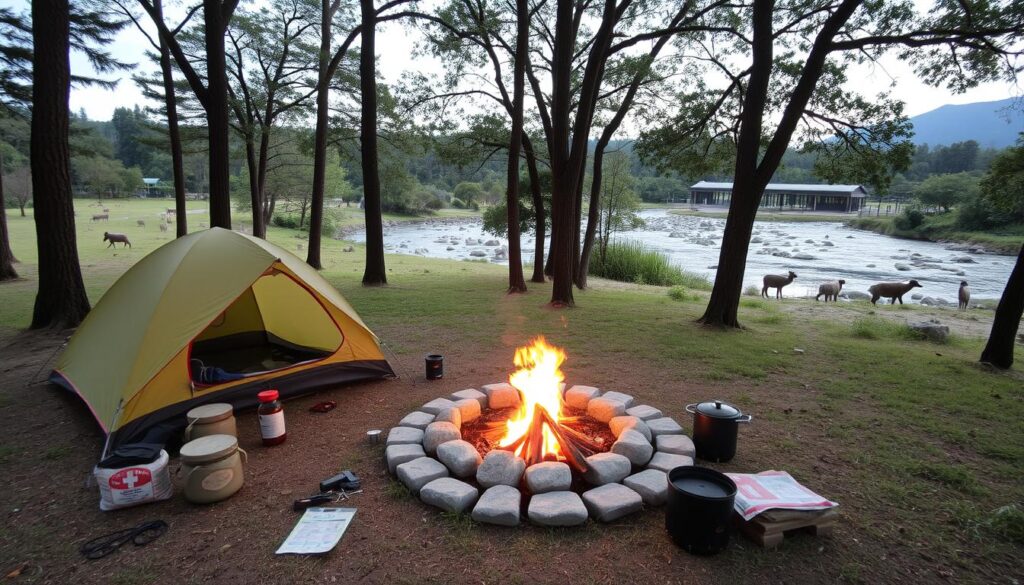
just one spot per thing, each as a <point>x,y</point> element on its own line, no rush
<point>435,366</point>
<point>714,429</point>
<point>700,506</point>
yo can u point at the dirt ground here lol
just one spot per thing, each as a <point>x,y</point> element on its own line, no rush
<point>51,443</point>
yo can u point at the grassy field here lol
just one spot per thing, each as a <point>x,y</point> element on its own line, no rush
<point>922,447</point>
<point>1004,240</point>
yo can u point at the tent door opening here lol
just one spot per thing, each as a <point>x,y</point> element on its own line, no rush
<point>275,324</point>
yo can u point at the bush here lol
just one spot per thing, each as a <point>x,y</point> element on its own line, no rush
<point>285,221</point>
<point>458,203</point>
<point>752,291</point>
<point>434,204</point>
<point>632,262</point>
<point>910,219</point>
<point>680,293</point>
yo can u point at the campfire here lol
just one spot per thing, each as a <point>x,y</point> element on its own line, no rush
<point>539,430</point>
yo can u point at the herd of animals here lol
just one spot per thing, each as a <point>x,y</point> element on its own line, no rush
<point>116,238</point>
<point>893,291</point>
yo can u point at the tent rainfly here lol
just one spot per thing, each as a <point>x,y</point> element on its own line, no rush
<point>214,316</point>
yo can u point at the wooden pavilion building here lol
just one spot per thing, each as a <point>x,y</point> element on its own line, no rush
<point>787,196</point>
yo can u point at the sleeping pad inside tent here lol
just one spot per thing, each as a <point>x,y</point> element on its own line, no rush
<point>214,316</point>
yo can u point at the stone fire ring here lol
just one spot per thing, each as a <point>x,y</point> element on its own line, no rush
<point>427,454</point>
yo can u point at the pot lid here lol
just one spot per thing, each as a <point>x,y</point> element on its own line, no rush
<point>209,413</point>
<point>718,409</point>
<point>208,448</point>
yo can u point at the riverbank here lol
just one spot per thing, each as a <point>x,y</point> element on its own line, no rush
<point>1005,240</point>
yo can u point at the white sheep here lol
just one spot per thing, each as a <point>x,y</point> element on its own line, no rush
<point>830,290</point>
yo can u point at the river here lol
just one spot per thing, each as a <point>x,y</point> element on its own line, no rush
<point>815,251</point>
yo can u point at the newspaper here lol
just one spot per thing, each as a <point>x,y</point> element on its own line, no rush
<point>318,531</point>
<point>768,490</point>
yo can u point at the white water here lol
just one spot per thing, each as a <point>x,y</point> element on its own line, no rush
<point>861,258</point>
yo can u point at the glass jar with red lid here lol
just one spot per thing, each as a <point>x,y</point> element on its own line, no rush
<point>271,416</point>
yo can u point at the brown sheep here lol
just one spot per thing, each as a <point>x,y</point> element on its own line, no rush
<point>964,294</point>
<point>891,291</point>
<point>163,227</point>
<point>99,216</point>
<point>140,223</point>
<point>776,281</point>
<point>830,290</point>
<point>115,238</point>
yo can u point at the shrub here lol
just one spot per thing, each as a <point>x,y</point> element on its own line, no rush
<point>632,262</point>
<point>680,293</point>
<point>434,204</point>
<point>285,221</point>
<point>458,203</point>
<point>752,291</point>
<point>911,218</point>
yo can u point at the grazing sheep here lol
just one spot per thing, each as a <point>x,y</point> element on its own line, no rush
<point>99,216</point>
<point>830,289</point>
<point>140,223</point>
<point>891,290</point>
<point>776,281</point>
<point>964,294</point>
<point>163,227</point>
<point>115,238</point>
<point>105,210</point>
<point>171,210</point>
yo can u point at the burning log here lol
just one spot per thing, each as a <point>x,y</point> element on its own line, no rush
<point>574,447</point>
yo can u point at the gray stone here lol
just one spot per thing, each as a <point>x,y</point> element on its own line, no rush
<point>500,468</point>
<point>451,495</point>
<point>404,436</point>
<point>419,472</point>
<point>451,414</point>
<point>469,408</point>
<point>676,445</point>
<point>501,395</point>
<point>549,476</point>
<point>664,426</point>
<point>578,396</point>
<point>460,457</point>
<point>396,455</point>
<point>644,412</point>
<point>557,509</point>
<point>498,505</point>
<point>437,405</point>
<point>605,468</point>
<point>470,393</point>
<point>437,433</point>
<point>611,502</point>
<point>668,461</point>
<point>605,409</point>
<point>633,446</point>
<point>621,423</point>
<point>651,484</point>
<point>625,399</point>
<point>417,420</point>
<point>931,330</point>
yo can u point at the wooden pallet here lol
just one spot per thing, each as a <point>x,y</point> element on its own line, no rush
<point>769,528</point>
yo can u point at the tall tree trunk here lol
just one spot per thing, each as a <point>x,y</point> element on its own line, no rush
<point>563,191</point>
<point>217,115</point>
<point>173,132</point>
<point>593,215</point>
<point>7,259</point>
<point>254,183</point>
<point>320,136</point>
<point>516,282</point>
<point>61,301</point>
<point>262,160</point>
<point>538,212</point>
<point>375,273</point>
<point>999,349</point>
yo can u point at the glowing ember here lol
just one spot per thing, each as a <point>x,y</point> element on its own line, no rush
<point>537,379</point>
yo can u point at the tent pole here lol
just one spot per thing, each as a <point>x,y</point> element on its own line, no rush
<point>110,431</point>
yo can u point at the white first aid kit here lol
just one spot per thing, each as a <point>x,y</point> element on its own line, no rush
<point>133,485</point>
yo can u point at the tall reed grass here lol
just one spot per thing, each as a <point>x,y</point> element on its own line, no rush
<point>631,261</point>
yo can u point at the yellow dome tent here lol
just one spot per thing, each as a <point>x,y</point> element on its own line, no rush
<point>214,316</point>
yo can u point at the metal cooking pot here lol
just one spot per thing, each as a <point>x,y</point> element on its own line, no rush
<point>715,429</point>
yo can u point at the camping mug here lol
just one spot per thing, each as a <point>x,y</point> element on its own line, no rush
<point>435,366</point>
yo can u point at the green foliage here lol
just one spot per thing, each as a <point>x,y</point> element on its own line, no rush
<point>632,262</point>
<point>468,192</point>
<point>681,293</point>
<point>285,220</point>
<point>948,190</point>
<point>618,204</point>
<point>105,177</point>
<point>1003,186</point>
<point>880,328</point>
<point>911,218</point>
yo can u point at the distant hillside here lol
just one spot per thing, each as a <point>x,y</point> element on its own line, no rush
<point>991,124</point>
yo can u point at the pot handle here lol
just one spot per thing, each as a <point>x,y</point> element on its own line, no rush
<point>744,419</point>
<point>691,408</point>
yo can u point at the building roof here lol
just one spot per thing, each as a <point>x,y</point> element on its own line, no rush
<point>150,180</point>
<point>848,190</point>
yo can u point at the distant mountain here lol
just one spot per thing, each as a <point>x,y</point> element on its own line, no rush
<point>991,124</point>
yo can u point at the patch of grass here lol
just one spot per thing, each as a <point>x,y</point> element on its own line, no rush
<point>397,490</point>
<point>459,530</point>
<point>751,291</point>
<point>879,328</point>
<point>680,293</point>
<point>55,453</point>
<point>631,261</point>
<point>954,476</point>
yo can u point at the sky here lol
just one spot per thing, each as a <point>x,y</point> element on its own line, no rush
<point>395,46</point>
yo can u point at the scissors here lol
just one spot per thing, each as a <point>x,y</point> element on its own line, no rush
<point>140,535</point>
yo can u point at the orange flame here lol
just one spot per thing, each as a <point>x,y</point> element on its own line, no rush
<point>538,380</point>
